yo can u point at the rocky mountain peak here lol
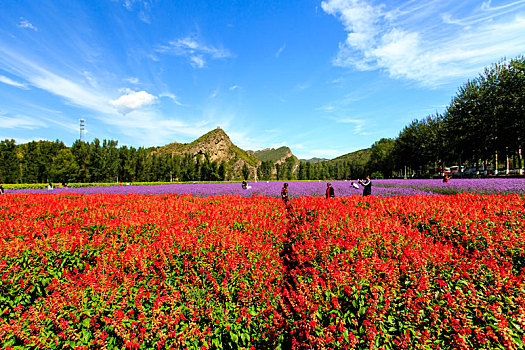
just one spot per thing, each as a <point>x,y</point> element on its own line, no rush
<point>218,146</point>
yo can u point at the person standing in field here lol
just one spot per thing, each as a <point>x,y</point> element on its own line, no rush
<point>367,186</point>
<point>284,193</point>
<point>330,193</point>
<point>1,189</point>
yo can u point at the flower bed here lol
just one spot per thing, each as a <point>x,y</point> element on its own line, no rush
<point>381,188</point>
<point>172,271</point>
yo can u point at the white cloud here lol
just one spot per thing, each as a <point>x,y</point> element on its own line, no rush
<point>20,122</point>
<point>144,7</point>
<point>172,97</point>
<point>326,108</point>
<point>359,124</point>
<point>303,86</point>
<point>234,87</point>
<point>214,93</point>
<point>422,42</point>
<point>132,80</point>
<point>196,52</point>
<point>74,92</point>
<point>90,79</point>
<point>24,23</point>
<point>280,51</point>
<point>9,81</point>
<point>197,61</point>
<point>133,100</point>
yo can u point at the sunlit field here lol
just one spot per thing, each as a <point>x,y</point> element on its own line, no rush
<point>225,271</point>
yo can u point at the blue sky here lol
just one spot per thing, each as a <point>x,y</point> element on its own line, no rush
<point>322,77</point>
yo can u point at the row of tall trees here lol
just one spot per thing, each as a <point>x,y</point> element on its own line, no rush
<point>45,161</point>
<point>484,123</point>
<point>292,169</point>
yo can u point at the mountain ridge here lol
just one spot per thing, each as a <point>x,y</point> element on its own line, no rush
<point>216,144</point>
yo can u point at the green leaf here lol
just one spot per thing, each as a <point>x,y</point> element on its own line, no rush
<point>234,337</point>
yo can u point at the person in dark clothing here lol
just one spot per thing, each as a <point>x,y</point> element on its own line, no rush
<point>330,193</point>
<point>244,185</point>
<point>284,193</point>
<point>1,189</point>
<point>367,186</point>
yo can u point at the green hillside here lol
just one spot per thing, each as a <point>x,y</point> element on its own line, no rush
<point>361,157</point>
<point>272,154</point>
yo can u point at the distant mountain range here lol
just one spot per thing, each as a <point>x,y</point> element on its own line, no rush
<point>315,160</point>
<point>218,146</point>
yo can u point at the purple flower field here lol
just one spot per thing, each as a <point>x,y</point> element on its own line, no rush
<point>481,186</point>
<point>382,188</point>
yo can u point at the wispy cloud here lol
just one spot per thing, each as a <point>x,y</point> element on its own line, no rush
<point>197,61</point>
<point>24,23</point>
<point>9,81</point>
<point>172,97</point>
<point>132,80</point>
<point>196,52</point>
<point>20,122</point>
<point>326,108</point>
<point>359,125</point>
<point>303,86</point>
<point>143,6</point>
<point>214,93</point>
<point>421,41</point>
<point>74,91</point>
<point>133,100</point>
<point>234,87</point>
<point>280,51</point>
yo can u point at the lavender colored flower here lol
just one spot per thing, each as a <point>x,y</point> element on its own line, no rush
<point>481,186</point>
<point>382,188</point>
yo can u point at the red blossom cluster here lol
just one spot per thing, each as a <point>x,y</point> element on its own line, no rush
<point>171,271</point>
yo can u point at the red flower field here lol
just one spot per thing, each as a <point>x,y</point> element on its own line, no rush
<point>225,272</point>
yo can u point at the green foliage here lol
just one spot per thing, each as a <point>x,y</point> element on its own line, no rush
<point>272,154</point>
<point>248,158</point>
<point>64,168</point>
<point>9,162</point>
<point>381,158</point>
<point>485,118</point>
<point>377,175</point>
<point>359,157</point>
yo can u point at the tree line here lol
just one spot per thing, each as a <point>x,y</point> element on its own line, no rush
<point>96,161</point>
<point>483,127</point>
<point>46,161</point>
<point>483,124</point>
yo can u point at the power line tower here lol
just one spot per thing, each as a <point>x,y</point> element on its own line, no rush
<point>82,129</point>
